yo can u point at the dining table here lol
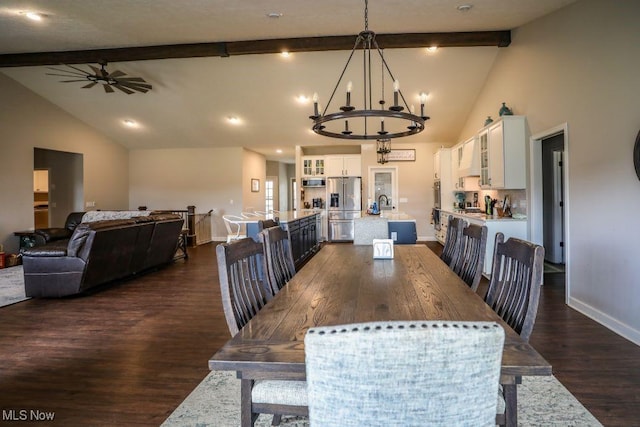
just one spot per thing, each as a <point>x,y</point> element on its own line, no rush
<point>343,284</point>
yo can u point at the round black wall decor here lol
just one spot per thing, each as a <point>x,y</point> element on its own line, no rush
<point>636,155</point>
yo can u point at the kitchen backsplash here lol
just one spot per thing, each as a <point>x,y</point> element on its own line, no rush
<point>518,199</point>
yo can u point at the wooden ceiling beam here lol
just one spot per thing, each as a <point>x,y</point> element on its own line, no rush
<point>255,47</point>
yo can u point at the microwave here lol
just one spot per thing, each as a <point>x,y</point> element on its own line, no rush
<point>313,182</point>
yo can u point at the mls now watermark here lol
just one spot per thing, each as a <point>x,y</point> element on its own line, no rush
<point>27,415</point>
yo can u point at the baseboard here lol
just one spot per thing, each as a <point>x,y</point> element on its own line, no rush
<point>607,321</point>
<point>426,238</point>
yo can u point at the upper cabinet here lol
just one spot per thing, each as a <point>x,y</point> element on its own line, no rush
<point>465,165</point>
<point>347,165</point>
<point>502,154</point>
<point>313,166</point>
<point>41,181</point>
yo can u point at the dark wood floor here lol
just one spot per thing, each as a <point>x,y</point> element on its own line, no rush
<point>130,353</point>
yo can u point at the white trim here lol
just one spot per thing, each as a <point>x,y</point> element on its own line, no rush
<point>604,319</point>
<point>396,193</point>
<point>535,194</point>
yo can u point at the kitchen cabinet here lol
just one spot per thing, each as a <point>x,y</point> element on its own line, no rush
<point>41,181</point>
<point>349,165</point>
<point>466,165</point>
<point>503,154</point>
<point>303,235</point>
<point>313,166</point>
<point>442,165</point>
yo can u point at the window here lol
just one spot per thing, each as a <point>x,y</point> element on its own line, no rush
<point>268,194</point>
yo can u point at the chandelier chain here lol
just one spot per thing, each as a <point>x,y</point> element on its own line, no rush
<point>366,15</point>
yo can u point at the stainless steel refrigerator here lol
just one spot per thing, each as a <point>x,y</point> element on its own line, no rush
<point>344,203</point>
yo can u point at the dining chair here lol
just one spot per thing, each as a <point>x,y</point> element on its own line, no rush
<point>451,250</point>
<point>234,227</point>
<point>267,223</point>
<point>403,373</point>
<point>244,292</point>
<point>278,256</point>
<point>470,261</point>
<point>514,293</point>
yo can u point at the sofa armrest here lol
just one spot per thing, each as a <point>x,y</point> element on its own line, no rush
<point>52,234</point>
<point>56,249</point>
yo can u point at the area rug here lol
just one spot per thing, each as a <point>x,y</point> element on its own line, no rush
<point>11,285</point>
<point>542,401</point>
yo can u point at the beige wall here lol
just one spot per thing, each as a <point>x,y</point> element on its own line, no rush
<point>580,66</point>
<point>254,166</point>
<point>29,121</point>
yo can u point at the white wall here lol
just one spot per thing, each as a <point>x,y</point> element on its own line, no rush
<point>580,66</point>
<point>30,121</point>
<point>208,178</point>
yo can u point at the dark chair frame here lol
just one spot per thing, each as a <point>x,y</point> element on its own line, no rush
<point>278,257</point>
<point>470,261</point>
<point>453,240</point>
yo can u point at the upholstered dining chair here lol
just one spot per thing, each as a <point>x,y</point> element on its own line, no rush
<point>279,258</point>
<point>453,240</point>
<point>514,293</point>
<point>234,228</point>
<point>469,263</point>
<point>403,373</point>
<point>244,291</point>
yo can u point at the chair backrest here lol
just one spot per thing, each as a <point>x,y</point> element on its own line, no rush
<point>279,258</point>
<point>516,277</point>
<point>453,239</point>
<point>243,285</point>
<point>268,223</point>
<point>469,263</point>
<point>230,222</point>
<point>404,373</point>
<point>250,215</point>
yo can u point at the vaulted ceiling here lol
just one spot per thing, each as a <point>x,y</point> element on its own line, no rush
<point>209,60</point>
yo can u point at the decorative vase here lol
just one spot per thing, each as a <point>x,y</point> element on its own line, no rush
<point>488,121</point>
<point>505,111</point>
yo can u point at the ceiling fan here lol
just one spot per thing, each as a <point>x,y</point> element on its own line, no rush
<point>108,80</point>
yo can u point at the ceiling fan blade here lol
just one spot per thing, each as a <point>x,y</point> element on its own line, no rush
<point>90,85</point>
<point>107,88</point>
<point>96,70</point>
<point>78,69</point>
<point>69,72</point>
<point>117,73</point>
<point>71,81</point>
<point>133,79</point>
<point>134,85</point>
<point>69,76</point>
<point>124,89</point>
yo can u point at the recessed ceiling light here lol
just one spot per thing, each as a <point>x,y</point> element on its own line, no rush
<point>130,123</point>
<point>233,120</point>
<point>279,151</point>
<point>302,99</point>
<point>465,7</point>
<point>285,54</point>
<point>34,16</point>
<point>274,15</point>
<point>432,49</point>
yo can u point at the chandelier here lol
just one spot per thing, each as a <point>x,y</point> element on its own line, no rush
<point>383,148</point>
<point>353,123</point>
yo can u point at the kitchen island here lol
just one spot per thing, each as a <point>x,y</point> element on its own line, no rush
<point>510,227</point>
<point>303,228</point>
<point>397,226</point>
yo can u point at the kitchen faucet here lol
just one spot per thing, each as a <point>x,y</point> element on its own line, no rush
<point>386,200</point>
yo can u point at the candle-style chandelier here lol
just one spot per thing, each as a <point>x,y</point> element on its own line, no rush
<point>383,148</point>
<point>356,121</point>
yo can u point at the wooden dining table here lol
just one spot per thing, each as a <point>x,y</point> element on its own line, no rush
<point>343,284</point>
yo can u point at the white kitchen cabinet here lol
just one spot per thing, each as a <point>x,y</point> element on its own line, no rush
<point>313,166</point>
<point>503,154</point>
<point>349,165</point>
<point>41,181</point>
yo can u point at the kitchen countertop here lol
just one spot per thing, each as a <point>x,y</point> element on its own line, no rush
<point>287,216</point>
<point>481,216</point>
<point>391,216</point>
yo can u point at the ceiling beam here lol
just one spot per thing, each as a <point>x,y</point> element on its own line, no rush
<point>255,47</point>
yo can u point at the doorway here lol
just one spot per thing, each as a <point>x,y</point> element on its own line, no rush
<point>383,187</point>
<point>65,189</point>
<point>549,196</point>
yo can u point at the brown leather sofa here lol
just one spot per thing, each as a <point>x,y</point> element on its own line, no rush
<point>100,252</point>
<point>46,235</point>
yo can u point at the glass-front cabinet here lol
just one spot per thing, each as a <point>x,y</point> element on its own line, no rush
<point>484,158</point>
<point>313,166</point>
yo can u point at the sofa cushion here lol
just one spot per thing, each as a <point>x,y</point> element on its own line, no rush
<point>54,249</point>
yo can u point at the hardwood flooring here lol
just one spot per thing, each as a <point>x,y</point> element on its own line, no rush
<point>129,353</point>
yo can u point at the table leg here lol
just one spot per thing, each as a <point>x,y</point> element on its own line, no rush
<point>511,404</point>
<point>247,418</point>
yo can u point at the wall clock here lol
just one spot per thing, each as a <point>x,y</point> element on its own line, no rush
<point>636,155</point>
